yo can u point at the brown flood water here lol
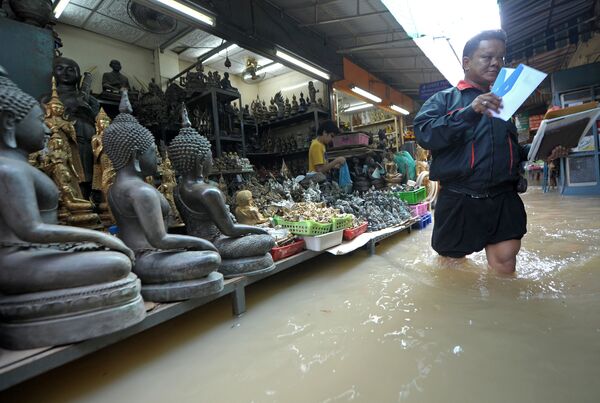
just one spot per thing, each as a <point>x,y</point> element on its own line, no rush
<point>394,327</point>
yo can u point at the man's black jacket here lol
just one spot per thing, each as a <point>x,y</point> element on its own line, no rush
<point>471,152</point>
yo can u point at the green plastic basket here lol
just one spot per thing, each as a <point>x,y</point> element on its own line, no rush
<point>342,222</point>
<point>414,196</point>
<point>307,227</point>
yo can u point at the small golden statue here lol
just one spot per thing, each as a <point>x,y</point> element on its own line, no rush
<point>168,182</point>
<point>422,164</point>
<point>63,165</point>
<point>104,173</point>
<point>246,212</point>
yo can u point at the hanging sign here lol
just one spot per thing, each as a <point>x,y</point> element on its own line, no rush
<point>428,89</point>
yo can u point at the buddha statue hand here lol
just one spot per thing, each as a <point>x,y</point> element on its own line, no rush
<point>202,244</point>
<point>113,243</point>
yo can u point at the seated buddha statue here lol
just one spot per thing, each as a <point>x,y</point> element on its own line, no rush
<point>114,81</point>
<point>243,248</point>
<point>58,284</point>
<point>171,267</point>
<point>246,212</point>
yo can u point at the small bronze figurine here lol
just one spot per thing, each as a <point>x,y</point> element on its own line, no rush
<point>294,105</point>
<point>114,81</point>
<point>312,93</point>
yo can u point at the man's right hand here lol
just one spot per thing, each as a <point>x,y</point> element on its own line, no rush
<point>339,161</point>
<point>486,103</point>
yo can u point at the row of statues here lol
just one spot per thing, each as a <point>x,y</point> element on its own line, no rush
<point>62,284</point>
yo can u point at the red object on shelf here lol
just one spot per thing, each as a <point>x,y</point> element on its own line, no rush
<point>351,233</point>
<point>282,252</point>
<point>535,121</point>
<point>351,139</point>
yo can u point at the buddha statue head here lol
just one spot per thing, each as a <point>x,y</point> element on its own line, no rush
<point>244,198</point>
<point>21,118</point>
<point>127,142</point>
<point>190,152</point>
<point>66,71</point>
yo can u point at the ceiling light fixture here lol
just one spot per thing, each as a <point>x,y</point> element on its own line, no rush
<point>366,94</point>
<point>399,109</point>
<point>302,64</point>
<point>190,12</point>
<point>223,52</point>
<point>357,107</point>
<point>60,7</point>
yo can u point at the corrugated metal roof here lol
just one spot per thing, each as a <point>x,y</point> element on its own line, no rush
<point>544,32</point>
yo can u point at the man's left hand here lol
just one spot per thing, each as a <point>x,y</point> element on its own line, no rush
<point>558,152</point>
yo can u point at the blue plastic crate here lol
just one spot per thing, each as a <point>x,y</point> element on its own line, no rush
<point>423,222</point>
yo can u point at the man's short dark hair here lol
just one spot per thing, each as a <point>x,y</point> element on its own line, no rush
<point>473,43</point>
<point>328,126</point>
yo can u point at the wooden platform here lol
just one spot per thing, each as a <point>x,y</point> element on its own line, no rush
<point>19,366</point>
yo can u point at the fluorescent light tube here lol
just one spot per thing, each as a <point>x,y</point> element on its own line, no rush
<point>357,107</point>
<point>60,7</point>
<point>302,64</point>
<point>366,94</point>
<point>399,109</point>
<point>190,12</point>
<point>221,53</point>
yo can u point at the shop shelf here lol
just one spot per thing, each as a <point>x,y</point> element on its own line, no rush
<point>351,233</point>
<point>283,252</point>
<point>342,222</point>
<point>322,242</point>
<point>423,222</point>
<point>413,196</point>
<point>420,209</point>
<point>308,228</point>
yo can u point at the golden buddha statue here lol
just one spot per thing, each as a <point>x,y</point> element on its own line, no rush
<point>167,184</point>
<point>246,212</point>
<point>64,167</point>
<point>104,173</point>
<point>422,164</point>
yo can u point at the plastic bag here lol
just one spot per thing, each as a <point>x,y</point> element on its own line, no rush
<point>345,179</point>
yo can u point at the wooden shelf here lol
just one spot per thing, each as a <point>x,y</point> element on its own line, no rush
<point>274,154</point>
<point>375,123</point>
<point>222,95</point>
<point>295,118</point>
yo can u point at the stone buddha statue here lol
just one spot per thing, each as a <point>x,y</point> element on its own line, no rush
<point>226,83</point>
<point>312,93</point>
<point>62,164</point>
<point>81,108</point>
<point>272,110</point>
<point>294,105</point>
<point>243,248</point>
<point>114,81</point>
<point>171,267</point>
<point>104,173</point>
<point>287,108</point>
<point>302,106</point>
<point>58,284</point>
<point>246,212</point>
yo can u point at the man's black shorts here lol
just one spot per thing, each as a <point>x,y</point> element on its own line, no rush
<point>463,225</point>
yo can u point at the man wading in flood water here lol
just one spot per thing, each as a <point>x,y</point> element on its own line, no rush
<point>476,159</point>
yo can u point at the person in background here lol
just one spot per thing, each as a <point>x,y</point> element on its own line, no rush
<point>317,153</point>
<point>406,165</point>
<point>476,159</point>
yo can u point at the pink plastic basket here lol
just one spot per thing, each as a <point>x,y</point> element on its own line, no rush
<point>420,209</point>
<point>352,139</point>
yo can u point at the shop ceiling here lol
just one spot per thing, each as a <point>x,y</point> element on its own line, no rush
<point>362,30</point>
<point>365,32</point>
<point>114,19</point>
<point>545,33</point>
